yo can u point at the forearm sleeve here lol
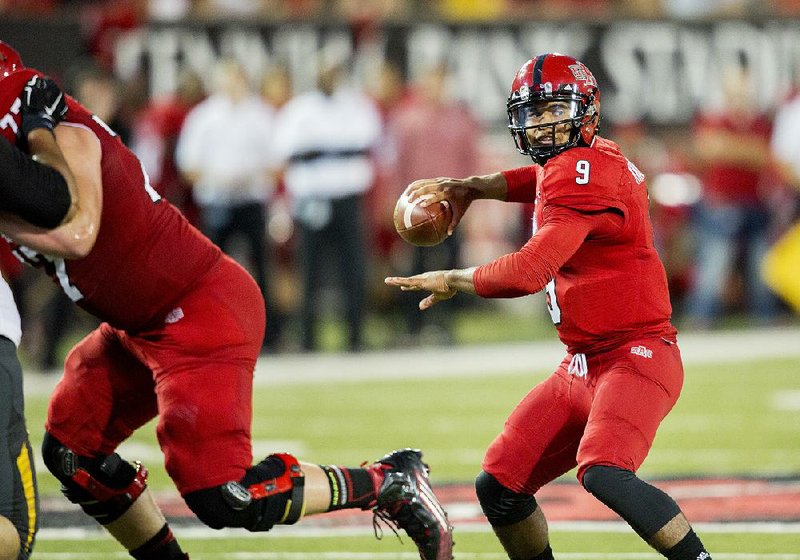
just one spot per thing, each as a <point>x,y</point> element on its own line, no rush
<point>530,269</point>
<point>521,184</point>
<point>35,192</point>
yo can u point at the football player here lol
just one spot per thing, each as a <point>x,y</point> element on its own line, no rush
<point>38,189</point>
<point>592,253</point>
<point>182,329</point>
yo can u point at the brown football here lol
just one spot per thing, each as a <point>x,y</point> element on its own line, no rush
<point>420,226</point>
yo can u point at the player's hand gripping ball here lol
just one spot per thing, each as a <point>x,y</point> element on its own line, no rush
<point>422,226</point>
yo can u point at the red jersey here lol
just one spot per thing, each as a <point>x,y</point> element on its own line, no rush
<point>146,255</point>
<point>613,288</point>
<point>728,182</point>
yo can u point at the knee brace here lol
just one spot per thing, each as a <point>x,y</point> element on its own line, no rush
<point>500,505</point>
<point>646,508</point>
<point>270,493</point>
<point>105,487</point>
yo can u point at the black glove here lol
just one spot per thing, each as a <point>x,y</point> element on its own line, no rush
<point>43,105</point>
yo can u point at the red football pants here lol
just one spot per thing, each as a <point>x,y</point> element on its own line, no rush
<point>606,416</point>
<point>195,372</point>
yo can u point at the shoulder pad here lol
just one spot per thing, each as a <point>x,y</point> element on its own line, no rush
<point>584,179</point>
<point>10,90</point>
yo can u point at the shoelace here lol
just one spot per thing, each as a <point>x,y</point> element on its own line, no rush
<point>379,515</point>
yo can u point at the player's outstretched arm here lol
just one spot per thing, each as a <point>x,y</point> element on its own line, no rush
<point>73,239</point>
<point>443,284</point>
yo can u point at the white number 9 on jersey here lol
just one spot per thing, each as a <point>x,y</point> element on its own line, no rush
<point>582,168</point>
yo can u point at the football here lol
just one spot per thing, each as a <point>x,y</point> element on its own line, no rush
<point>423,227</point>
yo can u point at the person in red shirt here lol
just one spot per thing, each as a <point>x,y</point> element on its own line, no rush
<point>592,253</point>
<point>182,328</point>
<point>735,214</point>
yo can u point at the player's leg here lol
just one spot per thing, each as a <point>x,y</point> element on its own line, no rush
<point>631,399</point>
<point>79,443</point>
<point>9,540</point>
<point>538,444</point>
<point>226,490</point>
<point>19,506</point>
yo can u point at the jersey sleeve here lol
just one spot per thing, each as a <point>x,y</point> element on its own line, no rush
<point>520,184</point>
<point>528,270</point>
<point>584,180</point>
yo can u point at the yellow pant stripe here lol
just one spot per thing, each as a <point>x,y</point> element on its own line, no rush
<point>29,489</point>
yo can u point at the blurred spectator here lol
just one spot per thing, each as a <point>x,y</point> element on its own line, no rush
<point>433,134</point>
<point>225,151</point>
<point>155,137</point>
<point>99,91</point>
<point>276,86</point>
<point>783,260</point>
<point>732,146</point>
<point>389,91</point>
<point>325,139</point>
<point>104,21</point>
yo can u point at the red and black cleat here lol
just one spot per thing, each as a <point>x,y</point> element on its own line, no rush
<point>406,500</point>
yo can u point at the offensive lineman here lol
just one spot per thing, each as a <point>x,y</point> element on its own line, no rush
<point>592,252</point>
<point>183,326</point>
<point>38,189</point>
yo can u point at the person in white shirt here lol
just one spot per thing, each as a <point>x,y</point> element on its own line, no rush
<point>224,151</point>
<point>325,139</point>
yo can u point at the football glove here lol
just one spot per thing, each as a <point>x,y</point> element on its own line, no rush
<point>43,105</point>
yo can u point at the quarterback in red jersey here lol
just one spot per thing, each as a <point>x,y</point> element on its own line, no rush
<point>183,327</point>
<point>592,253</point>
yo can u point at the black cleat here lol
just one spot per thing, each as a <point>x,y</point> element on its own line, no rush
<point>406,500</point>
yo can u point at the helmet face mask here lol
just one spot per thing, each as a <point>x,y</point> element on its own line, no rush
<point>554,105</point>
<point>545,128</point>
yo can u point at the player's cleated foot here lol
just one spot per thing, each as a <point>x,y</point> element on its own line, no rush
<point>405,499</point>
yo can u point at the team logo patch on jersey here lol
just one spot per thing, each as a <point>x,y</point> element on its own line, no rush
<point>642,351</point>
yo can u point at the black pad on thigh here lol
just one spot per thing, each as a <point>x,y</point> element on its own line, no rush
<point>646,508</point>
<point>502,506</point>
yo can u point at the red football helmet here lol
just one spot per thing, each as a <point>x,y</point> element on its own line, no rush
<point>10,60</point>
<point>567,90</point>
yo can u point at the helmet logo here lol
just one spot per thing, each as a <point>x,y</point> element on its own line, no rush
<point>524,93</point>
<point>582,73</point>
<point>547,87</point>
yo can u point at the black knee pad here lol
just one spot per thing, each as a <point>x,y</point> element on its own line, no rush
<point>500,505</point>
<point>270,493</point>
<point>105,486</point>
<point>646,508</point>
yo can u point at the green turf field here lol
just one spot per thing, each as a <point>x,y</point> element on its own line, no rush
<point>731,419</point>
